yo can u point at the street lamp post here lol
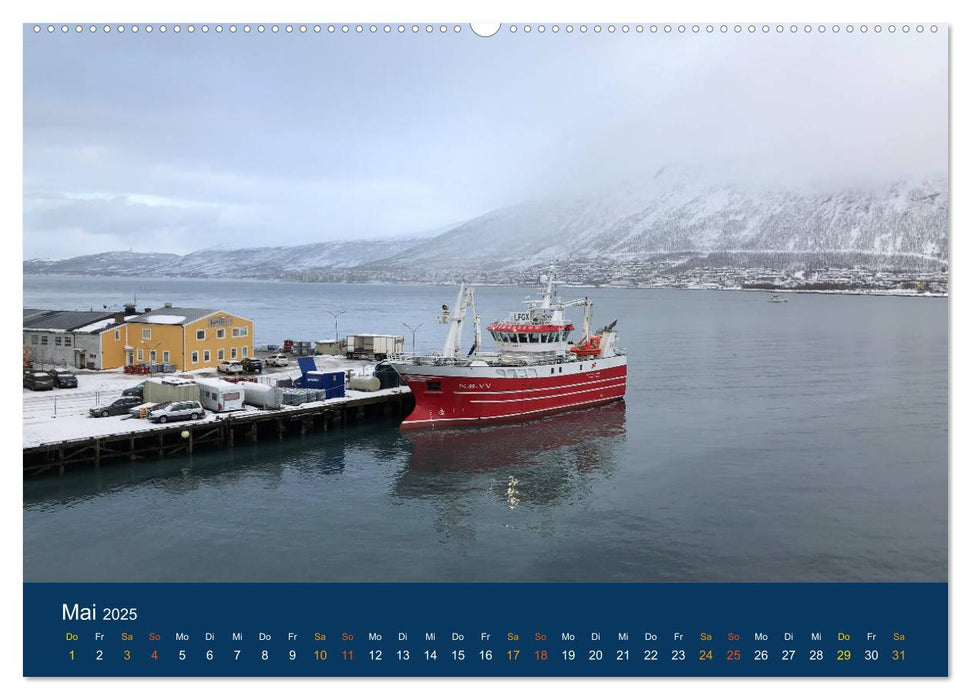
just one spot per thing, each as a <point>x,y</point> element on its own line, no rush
<point>413,332</point>
<point>337,335</point>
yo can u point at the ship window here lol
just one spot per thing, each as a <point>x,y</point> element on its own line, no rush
<point>544,337</point>
<point>509,337</point>
<point>523,337</point>
<point>433,386</point>
<point>554,337</point>
<point>566,335</point>
<point>552,370</point>
<point>534,337</point>
<point>561,370</point>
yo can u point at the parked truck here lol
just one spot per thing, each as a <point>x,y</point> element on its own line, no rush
<point>373,346</point>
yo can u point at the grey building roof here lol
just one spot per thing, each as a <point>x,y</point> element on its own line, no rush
<point>63,321</point>
<point>168,315</point>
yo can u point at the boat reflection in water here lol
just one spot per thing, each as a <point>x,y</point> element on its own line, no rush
<point>542,462</point>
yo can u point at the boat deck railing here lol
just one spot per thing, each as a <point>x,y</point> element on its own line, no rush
<point>490,358</point>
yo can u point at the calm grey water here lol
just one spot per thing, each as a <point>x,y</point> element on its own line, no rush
<point>804,441</point>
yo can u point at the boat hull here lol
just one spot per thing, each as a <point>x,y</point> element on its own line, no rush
<point>456,395</point>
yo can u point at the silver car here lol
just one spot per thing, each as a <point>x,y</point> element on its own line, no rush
<point>176,410</point>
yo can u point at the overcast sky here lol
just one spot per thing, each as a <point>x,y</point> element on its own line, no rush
<point>175,143</point>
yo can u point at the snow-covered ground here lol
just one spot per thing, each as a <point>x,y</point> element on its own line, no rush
<point>62,414</point>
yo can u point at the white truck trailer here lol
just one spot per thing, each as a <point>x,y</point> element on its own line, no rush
<point>373,346</point>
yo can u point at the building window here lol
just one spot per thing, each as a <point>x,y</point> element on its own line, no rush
<point>220,332</point>
<point>151,356</point>
<point>200,335</point>
<point>57,340</point>
<point>117,335</point>
<point>243,332</point>
<point>43,340</point>
<point>245,351</point>
<point>235,332</point>
<point>205,356</point>
<point>141,354</point>
<point>165,356</point>
<point>232,353</point>
<point>146,333</point>
<point>67,341</point>
<point>221,354</point>
<point>34,339</point>
<point>195,357</point>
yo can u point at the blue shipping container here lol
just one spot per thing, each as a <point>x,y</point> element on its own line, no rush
<point>323,380</point>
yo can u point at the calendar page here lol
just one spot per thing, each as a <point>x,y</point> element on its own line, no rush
<point>438,348</point>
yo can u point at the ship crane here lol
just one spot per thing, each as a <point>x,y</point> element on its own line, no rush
<point>456,320</point>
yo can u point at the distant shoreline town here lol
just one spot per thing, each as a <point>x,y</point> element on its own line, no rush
<point>821,281</point>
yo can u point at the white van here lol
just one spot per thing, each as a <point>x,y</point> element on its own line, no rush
<point>278,360</point>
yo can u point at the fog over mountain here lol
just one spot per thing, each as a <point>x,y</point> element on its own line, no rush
<point>675,213</point>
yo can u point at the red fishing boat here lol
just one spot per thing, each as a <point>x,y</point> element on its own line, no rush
<point>536,370</point>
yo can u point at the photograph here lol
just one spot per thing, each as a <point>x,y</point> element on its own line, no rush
<point>589,303</point>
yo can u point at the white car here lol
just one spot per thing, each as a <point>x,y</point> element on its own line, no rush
<point>278,360</point>
<point>176,410</point>
<point>230,367</point>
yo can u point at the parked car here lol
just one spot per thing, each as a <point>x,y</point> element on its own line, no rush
<point>36,380</point>
<point>176,410</point>
<point>117,407</point>
<point>137,390</point>
<point>64,378</point>
<point>253,364</point>
<point>230,367</point>
<point>278,360</point>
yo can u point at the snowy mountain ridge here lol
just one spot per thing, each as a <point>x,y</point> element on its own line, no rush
<point>670,214</point>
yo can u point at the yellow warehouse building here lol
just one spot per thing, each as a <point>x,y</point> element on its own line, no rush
<point>188,338</point>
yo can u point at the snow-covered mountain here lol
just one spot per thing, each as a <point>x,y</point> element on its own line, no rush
<point>253,263</point>
<point>663,218</point>
<point>670,214</point>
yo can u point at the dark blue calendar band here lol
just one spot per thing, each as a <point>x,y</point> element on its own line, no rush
<point>492,629</point>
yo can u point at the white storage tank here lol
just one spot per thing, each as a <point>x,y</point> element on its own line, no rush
<point>220,396</point>
<point>262,395</point>
<point>370,383</point>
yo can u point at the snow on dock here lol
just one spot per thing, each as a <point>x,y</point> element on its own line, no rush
<point>59,431</point>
